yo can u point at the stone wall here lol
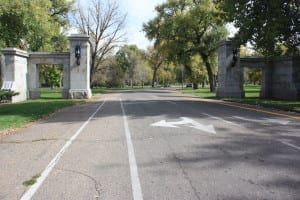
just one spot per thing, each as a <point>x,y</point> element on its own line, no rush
<point>230,77</point>
<point>285,76</point>
<point>15,70</point>
<point>52,58</point>
<point>22,69</point>
<point>80,74</point>
<point>280,80</point>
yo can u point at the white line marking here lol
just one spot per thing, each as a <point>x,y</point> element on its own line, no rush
<point>30,192</point>
<point>220,119</point>
<point>290,145</point>
<point>264,120</point>
<point>135,181</point>
<point>185,120</point>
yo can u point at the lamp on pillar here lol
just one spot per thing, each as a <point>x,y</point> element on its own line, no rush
<point>79,67</point>
<point>234,56</point>
<point>77,54</point>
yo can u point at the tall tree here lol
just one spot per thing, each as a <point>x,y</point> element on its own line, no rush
<point>31,24</point>
<point>155,57</point>
<point>103,22</point>
<point>187,28</point>
<point>265,24</point>
<point>130,59</point>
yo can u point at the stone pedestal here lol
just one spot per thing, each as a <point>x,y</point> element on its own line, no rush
<point>230,77</point>
<point>15,71</point>
<point>79,71</point>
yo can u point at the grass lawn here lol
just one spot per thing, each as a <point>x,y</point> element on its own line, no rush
<point>18,114</point>
<point>251,97</point>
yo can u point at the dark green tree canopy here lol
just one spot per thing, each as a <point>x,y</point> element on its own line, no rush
<point>184,28</point>
<point>32,24</point>
<point>265,24</point>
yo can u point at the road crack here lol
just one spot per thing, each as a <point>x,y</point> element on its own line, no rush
<point>97,185</point>
<point>185,174</point>
<point>28,141</point>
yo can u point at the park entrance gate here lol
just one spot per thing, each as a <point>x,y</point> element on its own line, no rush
<point>21,72</point>
<point>280,79</point>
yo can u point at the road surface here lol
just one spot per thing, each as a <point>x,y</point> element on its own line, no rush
<point>154,145</point>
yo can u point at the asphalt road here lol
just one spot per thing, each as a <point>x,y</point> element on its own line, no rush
<point>154,144</point>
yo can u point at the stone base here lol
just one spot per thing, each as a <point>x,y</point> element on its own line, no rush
<point>80,94</point>
<point>34,94</point>
<point>65,93</point>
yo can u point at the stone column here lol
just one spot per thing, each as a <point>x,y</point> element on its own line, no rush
<point>15,70</point>
<point>66,80</point>
<point>230,77</point>
<point>33,81</point>
<point>79,72</point>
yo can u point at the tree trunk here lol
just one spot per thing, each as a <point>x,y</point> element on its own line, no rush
<point>212,85</point>
<point>92,69</point>
<point>195,86</point>
<point>154,77</point>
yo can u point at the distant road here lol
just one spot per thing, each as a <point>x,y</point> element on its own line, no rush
<point>154,145</point>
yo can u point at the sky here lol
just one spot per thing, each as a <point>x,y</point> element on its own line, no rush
<point>138,12</point>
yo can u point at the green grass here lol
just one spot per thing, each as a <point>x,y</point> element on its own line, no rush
<point>201,92</point>
<point>18,114</point>
<point>251,97</point>
<point>101,90</point>
<point>48,93</point>
<point>32,180</point>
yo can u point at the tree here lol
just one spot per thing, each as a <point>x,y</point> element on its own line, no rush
<point>54,77</point>
<point>187,28</point>
<point>103,22</point>
<point>34,25</point>
<point>265,24</point>
<point>30,25</point>
<point>131,59</point>
<point>155,58</point>
<point>114,73</point>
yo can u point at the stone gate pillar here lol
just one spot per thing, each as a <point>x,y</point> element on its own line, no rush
<point>230,73</point>
<point>79,67</point>
<point>15,72</point>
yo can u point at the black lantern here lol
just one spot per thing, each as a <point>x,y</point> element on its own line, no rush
<point>234,56</point>
<point>77,54</point>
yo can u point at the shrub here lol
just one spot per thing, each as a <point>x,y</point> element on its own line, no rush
<point>7,95</point>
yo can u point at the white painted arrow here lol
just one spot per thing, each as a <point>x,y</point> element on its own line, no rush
<point>277,121</point>
<point>185,120</point>
<point>265,120</point>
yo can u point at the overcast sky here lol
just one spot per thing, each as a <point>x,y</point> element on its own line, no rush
<point>138,12</point>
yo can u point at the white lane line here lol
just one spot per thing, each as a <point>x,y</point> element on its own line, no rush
<point>31,191</point>
<point>290,145</point>
<point>135,181</point>
<point>220,119</point>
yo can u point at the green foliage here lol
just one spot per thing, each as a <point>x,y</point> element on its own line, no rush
<point>265,24</point>
<point>53,76</point>
<point>12,22</point>
<point>31,24</point>
<point>50,75</point>
<point>115,74</point>
<point>253,76</point>
<point>7,95</point>
<point>184,29</point>
<point>131,60</point>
